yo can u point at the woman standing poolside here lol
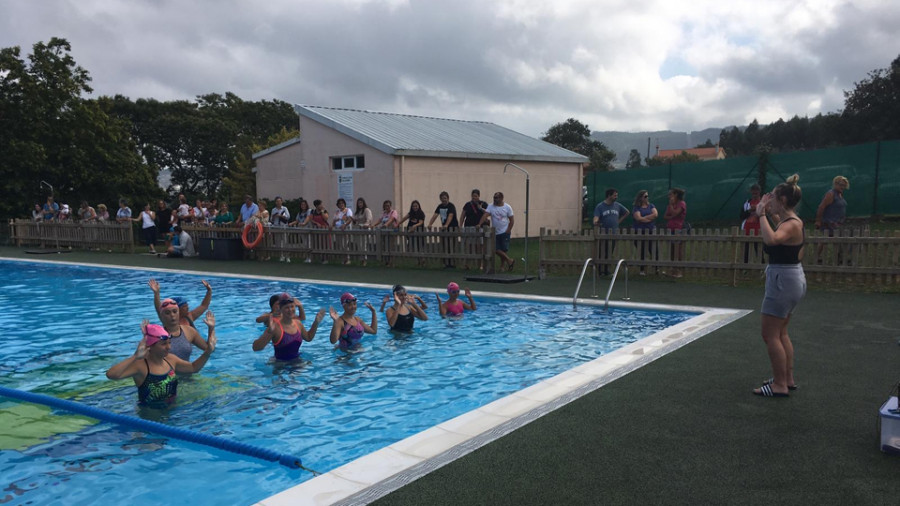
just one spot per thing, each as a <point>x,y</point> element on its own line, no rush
<point>363,219</point>
<point>454,307</point>
<point>389,219</point>
<point>402,315</point>
<point>676,212</point>
<point>644,214</point>
<point>153,368</point>
<point>148,226</point>
<point>785,282</point>
<point>342,220</point>
<point>285,332</point>
<point>416,217</point>
<point>348,329</point>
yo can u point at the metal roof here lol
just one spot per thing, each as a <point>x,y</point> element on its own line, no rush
<point>277,147</point>
<point>405,135</point>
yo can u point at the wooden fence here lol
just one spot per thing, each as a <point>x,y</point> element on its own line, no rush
<point>427,247</point>
<point>855,256</point>
<point>93,235</point>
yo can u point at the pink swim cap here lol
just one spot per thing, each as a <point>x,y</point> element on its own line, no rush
<point>346,297</point>
<point>154,334</point>
<point>452,287</point>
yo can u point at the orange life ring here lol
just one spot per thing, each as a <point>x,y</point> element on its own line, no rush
<point>246,232</point>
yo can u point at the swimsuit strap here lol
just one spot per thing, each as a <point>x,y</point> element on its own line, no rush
<point>275,343</point>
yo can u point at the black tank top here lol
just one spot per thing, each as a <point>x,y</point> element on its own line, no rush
<point>783,253</point>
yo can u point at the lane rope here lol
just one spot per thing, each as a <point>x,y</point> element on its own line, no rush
<point>290,461</point>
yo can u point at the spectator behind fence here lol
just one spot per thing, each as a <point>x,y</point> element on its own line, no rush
<point>248,210</point>
<point>183,210</point>
<point>185,246</point>
<point>363,219</point>
<point>831,213</point>
<point>676,212</point>
<point>199,213</point>
<point>123,215</point>
<point>280,215</point>
<point>389,219</point>
<point>416,217</point>
<point>37,214</point>
<point>343,218</point>
<point>750,221</point>
<point>50,209</point>
<point>447,212</point>
<point>263,214</point>
<point>644,214</point>
<point>163,220</point>
<point>608,214</point>
<point>102,213</point>
<point>502,219</point>
<point>224,217</point>
<point>471,215</point>
<point>86,212</point>
<point>304,215</point>
<point>65,214</point>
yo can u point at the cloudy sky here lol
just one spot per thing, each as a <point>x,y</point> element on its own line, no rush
<point>629,65</point>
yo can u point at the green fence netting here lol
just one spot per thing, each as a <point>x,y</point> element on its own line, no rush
<point>716,190</point>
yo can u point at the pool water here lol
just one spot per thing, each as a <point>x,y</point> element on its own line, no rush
<point>63,326</point>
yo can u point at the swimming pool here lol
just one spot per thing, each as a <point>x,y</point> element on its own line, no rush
<point>64,326</point>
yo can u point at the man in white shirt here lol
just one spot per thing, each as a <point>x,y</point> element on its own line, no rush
<point>502,219</point>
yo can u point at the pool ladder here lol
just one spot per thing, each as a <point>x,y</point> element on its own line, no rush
<point>612,282</point>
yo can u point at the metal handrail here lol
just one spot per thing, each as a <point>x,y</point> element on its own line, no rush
<point>587,262</point>
<point>613,282</point>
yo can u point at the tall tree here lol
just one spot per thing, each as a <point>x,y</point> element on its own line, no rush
<point>50,133</point>
<point>576,136</point>
<point>634,160</point>
<point>872,108</point>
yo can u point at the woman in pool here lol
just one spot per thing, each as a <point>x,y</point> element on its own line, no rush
<point>187,316</point>
<point>273,300</point>
<point>348,328</point>
<point>182,338</point>
<point>785,282</point>
<point>454,307</point>
<point>402,315</point>
<point>285,332</point>
<point>153,368</point>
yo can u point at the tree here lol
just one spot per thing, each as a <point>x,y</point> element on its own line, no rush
<point>576,136</point>
<point>634,160</point>
<point>682,157</point>
<point>240,179</point>
<point>48,132</point>
<point>872,108</point>
<point>707,144</point>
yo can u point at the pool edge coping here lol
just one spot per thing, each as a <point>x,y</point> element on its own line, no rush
<point>383,471</point>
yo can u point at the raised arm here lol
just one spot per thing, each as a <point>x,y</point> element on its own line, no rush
<point>415,309</point>
<point>471,305</point>
<point>129,368</point>
<point>441,308</point>
<point>336,326</point>
<point>185,367</point>
<point>300,310</point>
<point>198,311</point>
<point>373,328</point>
<point>308,335</point>
<point>154,285</point>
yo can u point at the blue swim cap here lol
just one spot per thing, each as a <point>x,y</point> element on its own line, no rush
<point>181,301</point>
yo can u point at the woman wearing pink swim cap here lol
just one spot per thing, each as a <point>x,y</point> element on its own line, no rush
<point>454,307</point>
<point>154,369</point>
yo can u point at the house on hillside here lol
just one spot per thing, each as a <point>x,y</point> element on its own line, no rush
<point>351,153</point>
<point>705,154</point>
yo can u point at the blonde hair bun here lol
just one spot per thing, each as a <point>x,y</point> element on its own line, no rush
<point>793,179</point>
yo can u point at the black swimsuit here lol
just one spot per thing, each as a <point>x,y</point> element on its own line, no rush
<point>404,322</point>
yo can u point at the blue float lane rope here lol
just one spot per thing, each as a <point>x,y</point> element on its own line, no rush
<point>158,428</point>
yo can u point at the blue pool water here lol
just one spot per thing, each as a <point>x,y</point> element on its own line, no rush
<point>63,326</point>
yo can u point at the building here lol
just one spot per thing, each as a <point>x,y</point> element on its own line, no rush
<point>380,156</point>
<point>705,154</point>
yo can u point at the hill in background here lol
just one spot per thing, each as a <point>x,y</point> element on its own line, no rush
<point>621,143</point>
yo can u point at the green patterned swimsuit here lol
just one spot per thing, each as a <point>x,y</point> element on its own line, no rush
<point>158,389</point>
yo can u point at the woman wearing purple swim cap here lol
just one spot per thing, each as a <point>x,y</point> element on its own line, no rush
<point>154,369</point>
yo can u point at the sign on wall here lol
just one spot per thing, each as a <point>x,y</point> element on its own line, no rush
<point>345,188</point>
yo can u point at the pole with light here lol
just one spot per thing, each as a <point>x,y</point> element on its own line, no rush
<point>527,189</point>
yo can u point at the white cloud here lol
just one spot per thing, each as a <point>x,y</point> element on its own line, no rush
<point>524,64</point>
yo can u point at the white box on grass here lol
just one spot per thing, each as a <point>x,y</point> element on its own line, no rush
<point>890,426</point>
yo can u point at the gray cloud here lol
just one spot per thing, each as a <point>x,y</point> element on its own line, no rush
<point>525,68</point>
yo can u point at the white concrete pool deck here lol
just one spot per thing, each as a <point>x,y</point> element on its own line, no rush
<point>381,472</point>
